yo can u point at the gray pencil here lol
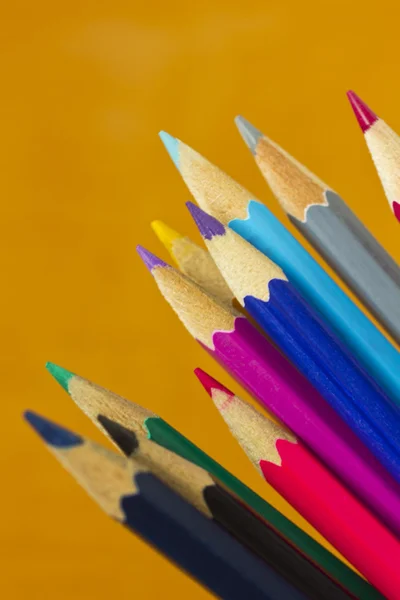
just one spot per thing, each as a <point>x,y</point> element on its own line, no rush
<point>331,227</point>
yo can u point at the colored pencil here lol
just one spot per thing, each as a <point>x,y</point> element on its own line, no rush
<point>193,260</point>
<point>233,205</point>
<point>264,291</point>
<point>94,400</point>
<point>384,146</point>
<point>198,488</point>
<point>331,227</point>
<point>300,478</point>
<point>275,383</point>
<point>139,500</point>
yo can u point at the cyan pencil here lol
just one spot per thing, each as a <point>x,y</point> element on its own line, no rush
<point>222,197</point>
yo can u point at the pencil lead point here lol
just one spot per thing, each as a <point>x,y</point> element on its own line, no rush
<point>249,133</point>
<point>209,383</point>
<point>396,210</point>
<point>208,226</point>
<point>52,434</point>
<point>171,145</point>
<point>61,375</point>
<point>165,234</point>
<point>364,115</point>
<point>150,260</point>
<point>124,438</point>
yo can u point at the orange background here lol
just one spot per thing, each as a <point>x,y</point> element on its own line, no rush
<point>85,88</point>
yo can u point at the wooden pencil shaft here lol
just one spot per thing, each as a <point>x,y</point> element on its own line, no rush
<point>199,546</point>
<point>350,249</point>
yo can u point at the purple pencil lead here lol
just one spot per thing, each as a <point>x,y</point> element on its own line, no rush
<point>150,260</point>
<point>208,226</point>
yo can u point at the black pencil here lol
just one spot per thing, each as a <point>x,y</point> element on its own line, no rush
<point>210,497</point>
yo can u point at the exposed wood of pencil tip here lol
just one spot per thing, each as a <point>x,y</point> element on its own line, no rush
<point>214,191</point>
<point>94,400</point>
<point>256,434</point>
<point>295,187</point>
<point>201,313</point>
<point>185,478</point>
<point>105,476</point>
<point>194,261</point>
<point>247,271</point>
<point>384,145</point>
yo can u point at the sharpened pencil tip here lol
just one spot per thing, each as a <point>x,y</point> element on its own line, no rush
<point>249,133</point>
<point>364,115</point>
<point>171,145</point>
<point>166,235</point>
<point>208,226</point>
<point>124,438</point>
<point>61,375</point>
<point>209,383</point>
<point>52,434</point>
<point>150,260</point>
<point>396,210</point>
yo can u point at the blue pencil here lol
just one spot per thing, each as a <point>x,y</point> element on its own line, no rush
<point>145,505</point>
<point>234,206</point>
<point>264,291</point>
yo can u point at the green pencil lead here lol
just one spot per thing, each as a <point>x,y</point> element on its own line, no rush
<point>60,374</point>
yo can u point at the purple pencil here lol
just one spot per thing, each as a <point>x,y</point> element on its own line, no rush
<point>236,344</point>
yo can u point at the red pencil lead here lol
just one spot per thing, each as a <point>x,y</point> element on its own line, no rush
<point>365,116</point>
<point>396,210</point>
<point>209,383</point>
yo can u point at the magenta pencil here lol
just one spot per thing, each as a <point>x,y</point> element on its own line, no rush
<point>384,146</point>
<point>276,384</point>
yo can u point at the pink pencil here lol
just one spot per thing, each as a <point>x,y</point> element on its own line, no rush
<point>384,146</point>
<point>321,498</point>
<point>274,382</point>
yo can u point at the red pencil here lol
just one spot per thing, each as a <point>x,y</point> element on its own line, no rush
<point>310,488</point>
<point>384,146</point>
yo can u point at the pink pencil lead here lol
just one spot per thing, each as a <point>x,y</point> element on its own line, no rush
<point>396,210</point>
<point>364,115</point>
<point>209,383</point>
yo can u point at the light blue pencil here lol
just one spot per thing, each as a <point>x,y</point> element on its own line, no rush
<point>222,197</point>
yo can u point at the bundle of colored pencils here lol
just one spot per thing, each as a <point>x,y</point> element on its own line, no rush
<point>258,302</point>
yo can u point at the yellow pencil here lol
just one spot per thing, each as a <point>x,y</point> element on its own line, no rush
<point>194,261</point>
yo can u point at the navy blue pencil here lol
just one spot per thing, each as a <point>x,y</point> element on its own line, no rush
<point>265,292</point>
<point>145,505</point>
